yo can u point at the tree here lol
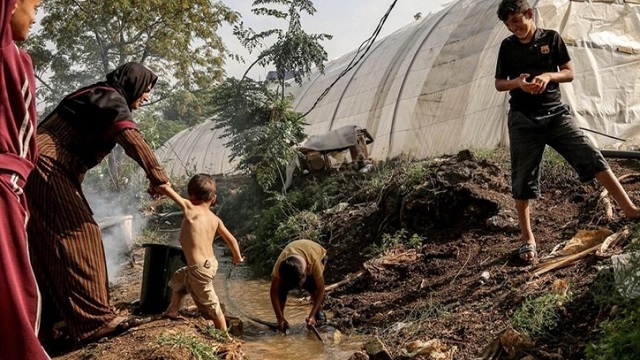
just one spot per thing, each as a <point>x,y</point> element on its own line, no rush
<point>261,128</point>
<point>294,50</point>
<point>81,41</point>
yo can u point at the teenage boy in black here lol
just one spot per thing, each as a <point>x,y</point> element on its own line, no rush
<point>531,64</point>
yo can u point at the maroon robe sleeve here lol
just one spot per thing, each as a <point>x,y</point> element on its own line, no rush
<point>6,9</point>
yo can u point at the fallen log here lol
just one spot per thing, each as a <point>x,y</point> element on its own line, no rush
<point>349,278</point>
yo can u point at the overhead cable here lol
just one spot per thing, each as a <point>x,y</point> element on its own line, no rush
<point>357,57</point>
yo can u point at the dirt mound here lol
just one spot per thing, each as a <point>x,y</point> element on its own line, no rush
<point>464,285</point>
<point>455,195</point>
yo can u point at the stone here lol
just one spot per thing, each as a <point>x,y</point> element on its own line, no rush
<point>360,355</point>
<point>377,350</point>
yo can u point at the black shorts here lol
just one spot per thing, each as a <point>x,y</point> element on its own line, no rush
<point>529,134</point>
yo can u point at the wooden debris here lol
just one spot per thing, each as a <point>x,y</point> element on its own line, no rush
<point>606,203</point>
<point>509,342</point>
<point>612,241</point>
<point>390,259</point>
<point>431,349</point>
<point>346,280</point>
<point>567,260</point>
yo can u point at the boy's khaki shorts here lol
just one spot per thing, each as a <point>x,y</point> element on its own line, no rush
<point>197,280</point>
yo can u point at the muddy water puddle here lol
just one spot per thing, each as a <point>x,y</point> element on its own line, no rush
<point>244,297</point>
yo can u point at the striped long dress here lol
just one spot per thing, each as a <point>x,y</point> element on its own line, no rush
<point>65,242</point>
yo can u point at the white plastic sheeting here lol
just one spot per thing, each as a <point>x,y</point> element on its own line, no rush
<point>194,150</point>
<point>428,88</point>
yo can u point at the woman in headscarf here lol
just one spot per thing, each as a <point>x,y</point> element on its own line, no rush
<point>64,239</point>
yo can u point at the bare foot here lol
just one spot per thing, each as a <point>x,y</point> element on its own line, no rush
<point>633,213</point>
<point>110,327</point>
<point>172,315</point>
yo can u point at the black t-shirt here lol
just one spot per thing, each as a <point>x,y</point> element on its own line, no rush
<point>545,53</point>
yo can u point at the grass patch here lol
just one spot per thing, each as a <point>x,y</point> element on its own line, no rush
<point>216,334</point>
<point>153,236</point>
<point>198,349</point>
<point>390,241</point>
<point>538,315</point>
<point>499,155</point>
<point>428,310</point>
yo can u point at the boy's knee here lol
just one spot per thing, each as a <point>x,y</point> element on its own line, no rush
<point>211,311</point>
<point>523,192</point>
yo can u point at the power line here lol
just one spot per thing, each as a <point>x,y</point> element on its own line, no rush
<point>357,57</point>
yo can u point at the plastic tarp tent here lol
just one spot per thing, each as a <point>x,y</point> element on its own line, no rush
<point>428,88</point>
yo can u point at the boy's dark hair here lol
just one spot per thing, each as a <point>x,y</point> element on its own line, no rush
<point>510,7</point>
<point>291,272</point>
<point>202,187</point>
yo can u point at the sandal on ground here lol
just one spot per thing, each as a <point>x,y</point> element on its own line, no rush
<point>527,248</point>
<point>320,317</point>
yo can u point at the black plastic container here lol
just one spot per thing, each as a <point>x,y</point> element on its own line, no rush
<point>160,262</point>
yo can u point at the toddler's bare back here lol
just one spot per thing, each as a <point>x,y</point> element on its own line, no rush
<point>197,233</point>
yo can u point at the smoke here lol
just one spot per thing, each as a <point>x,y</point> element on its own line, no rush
<point>120,223</point>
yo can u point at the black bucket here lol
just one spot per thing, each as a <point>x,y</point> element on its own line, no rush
<point>160,262</point>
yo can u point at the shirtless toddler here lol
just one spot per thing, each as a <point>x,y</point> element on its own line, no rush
<point>197,233</point>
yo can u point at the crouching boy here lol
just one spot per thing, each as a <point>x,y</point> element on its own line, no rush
<point>300,264</point>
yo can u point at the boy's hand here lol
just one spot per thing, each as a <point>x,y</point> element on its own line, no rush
<point>541,81</point>
<point>153,191</point>
<point>311,320</point>
<point>159,190</point>
<point>525,85</point>
<point>283,325</point>
<point>237,260</point>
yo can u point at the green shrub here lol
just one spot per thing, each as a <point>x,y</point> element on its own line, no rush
<point>398,238</point>
<point>537,315</point>
<point>620,337</point>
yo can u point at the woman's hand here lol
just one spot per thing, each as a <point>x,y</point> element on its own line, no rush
<point>156,190</point>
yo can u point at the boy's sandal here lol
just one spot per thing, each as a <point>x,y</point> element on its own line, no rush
<point>527,248</point>
<point>320,317</point>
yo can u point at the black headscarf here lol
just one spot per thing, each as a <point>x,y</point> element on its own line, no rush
<point>131,80</point>
<point>95,108</point>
